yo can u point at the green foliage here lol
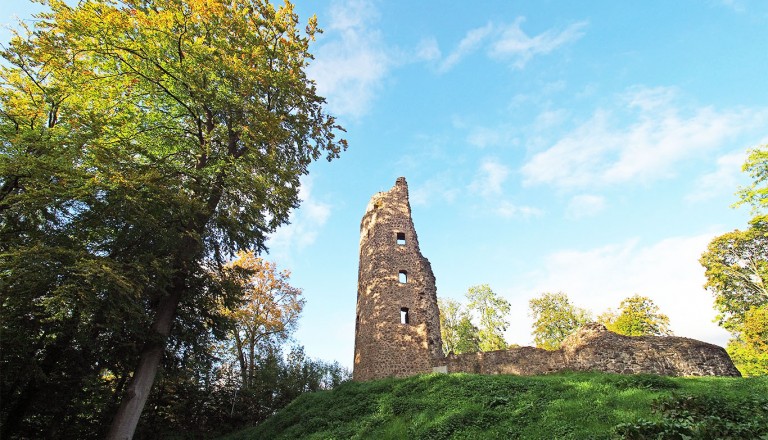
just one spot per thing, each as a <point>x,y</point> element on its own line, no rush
<point>702,417</point>
<point>736,266</point>
<point>750,350</point>
<point>756,194</point>
<point>451,314</point>
<point>468,337</point>
<point>554,319</point>
<point>461,335</point>
<point>749,360</point>
<point>637,316</point>
<point>492,311</point>
<point>201,401</point>
<point>140,141</point>
<point>563,406</point>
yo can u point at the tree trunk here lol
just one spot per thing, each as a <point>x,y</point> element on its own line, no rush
<point>127,416</point>
<point>241,359</point>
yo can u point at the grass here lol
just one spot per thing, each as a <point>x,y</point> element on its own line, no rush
<point>563,406</point>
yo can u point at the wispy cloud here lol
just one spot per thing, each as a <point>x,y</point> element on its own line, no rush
<point>351,60</point>
<point>585,205</point>
<point>438,188</point>
<point>723,179</point>
<point>666,271</point>
<point>490,178</point>
<point>509,210</point>
<point>428,50</point>
<point>510,43</point>
<point>518,46</point>
<point>304,225</point>
<point>470,43</point>
<point>604,150</point>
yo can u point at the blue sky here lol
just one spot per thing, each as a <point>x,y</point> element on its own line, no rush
<point>585,147</point>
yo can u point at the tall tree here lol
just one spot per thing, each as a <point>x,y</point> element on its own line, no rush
<point>736,266</point>
<point>756,194</point>
<point>492,312</point>
<point>456,329</point>
<point>450,315</point>
<point>467,336</point>
<point>141,140</point>
<point>749,349</point>
<point>637,316</point>
<point>269,310</point>
<point>554,319</point>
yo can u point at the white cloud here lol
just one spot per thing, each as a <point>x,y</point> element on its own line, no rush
<point>436,188</point>
<point>549,119</point>
<point>351,61</point>
<point>490,178</point>
<point>585,205</point>
<point>667,271</point>
<point>509,210</point>
<point>305,224</point>
<point>470,43</point>
<point>511,43</point>
<point>603,150</point>
<point>482,137</point>
<point>428,50</point>
<point>722,180</point>
<point>515,44</point>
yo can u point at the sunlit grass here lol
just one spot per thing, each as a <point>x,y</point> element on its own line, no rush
<point>465,406</point>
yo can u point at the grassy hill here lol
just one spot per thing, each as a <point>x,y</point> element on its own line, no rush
<point>562,406</point>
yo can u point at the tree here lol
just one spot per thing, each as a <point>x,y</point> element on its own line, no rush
<point>268,312</point>
<point>450,316</point>
<point>736,266</point>
<point>468,336</point>
<point>637,316</point>
<point>458,333</point>
<point>756,194</point>
<point>554,319</point>
<point>140,142</point>
<point>749,350</point>
<point>492,311</point>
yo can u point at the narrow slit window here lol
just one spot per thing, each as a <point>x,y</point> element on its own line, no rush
<point>404,315</point>
<point>403,276</point>
<point>401,238</point>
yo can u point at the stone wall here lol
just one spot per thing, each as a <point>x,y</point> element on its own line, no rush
<point>384,345</point>
<point>594,348</point>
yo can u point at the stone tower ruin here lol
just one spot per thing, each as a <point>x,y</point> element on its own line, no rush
<point>397,330</point>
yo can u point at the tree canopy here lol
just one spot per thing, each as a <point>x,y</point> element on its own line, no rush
<point>736,266</point>
<point>459,332</point>
<point>268,313</point>
<point>492,312</point>
<point>141,143</point>
<point>554,319</point>
<point>637,316</point>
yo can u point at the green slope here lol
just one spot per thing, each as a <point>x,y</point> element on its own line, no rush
<point>562,406</point>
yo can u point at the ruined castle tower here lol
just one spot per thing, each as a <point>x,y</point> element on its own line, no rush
<point>397,330</point>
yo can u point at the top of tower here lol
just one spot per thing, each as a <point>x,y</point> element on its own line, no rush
<point>401,181</point>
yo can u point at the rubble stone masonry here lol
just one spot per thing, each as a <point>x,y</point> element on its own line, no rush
<point>594,348</point>
<point>397,330</point>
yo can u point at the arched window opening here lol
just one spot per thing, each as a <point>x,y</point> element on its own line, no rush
<point>403,276</point>
<point>404,318</point>
<point>401,238</point>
